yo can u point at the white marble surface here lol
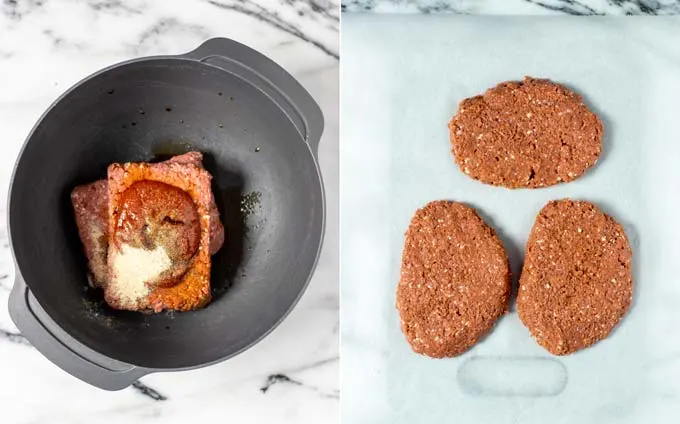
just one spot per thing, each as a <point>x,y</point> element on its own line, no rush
<point>628,71</point>
<point>45,47</point>
<point>517,7</point>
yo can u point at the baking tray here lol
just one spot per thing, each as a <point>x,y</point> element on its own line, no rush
<point>403,77</point>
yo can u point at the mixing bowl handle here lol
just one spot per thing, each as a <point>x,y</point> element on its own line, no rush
<point>270,78</point>
<point>62,349</point>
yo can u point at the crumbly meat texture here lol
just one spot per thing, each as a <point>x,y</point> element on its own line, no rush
<point>455,280</point>
<point>525,134</point>
<point>187,173</point>
<point>576,283</point>
<point>91,207</point>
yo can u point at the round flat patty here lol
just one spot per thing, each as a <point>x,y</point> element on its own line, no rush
<point>577,281</point>
<point>532,133</point>
<point>455,279</point>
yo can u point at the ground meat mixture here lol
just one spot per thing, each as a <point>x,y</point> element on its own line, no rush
<point>91,207</point>
<point>148,231</point>
<point>525,134</point>
<point>155,214</point>
<point>577,282</point>
<point>455,280</point>
<point>135,273</point>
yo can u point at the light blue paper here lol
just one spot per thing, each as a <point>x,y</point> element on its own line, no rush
<point>402,80</point>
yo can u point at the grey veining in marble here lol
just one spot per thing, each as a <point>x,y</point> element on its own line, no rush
<point>517,7</point>
<point>299,18</point>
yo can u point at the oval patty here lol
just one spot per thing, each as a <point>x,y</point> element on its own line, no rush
<point>531,133</point>
<point>455,279</point>
<point>576,283</point>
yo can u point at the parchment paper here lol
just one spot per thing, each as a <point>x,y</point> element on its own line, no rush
<point>402,80</point>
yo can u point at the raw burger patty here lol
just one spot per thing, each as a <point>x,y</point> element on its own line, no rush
<point>455,280</point>
<point>531,133</point>
<point>577,281</point>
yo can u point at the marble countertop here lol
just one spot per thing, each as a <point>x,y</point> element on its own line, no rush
<point>517,7</point>
<point>45,47</point>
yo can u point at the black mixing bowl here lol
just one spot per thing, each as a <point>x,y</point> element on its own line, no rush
<point>259,131</point>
